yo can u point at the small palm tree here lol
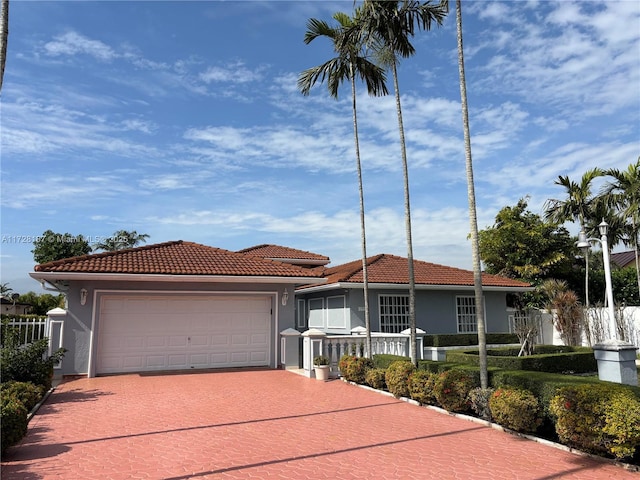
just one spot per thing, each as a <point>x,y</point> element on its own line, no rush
<point>623,194</point>
<point>580,206</point>
<point>351,61</point>
<point>391,24</point>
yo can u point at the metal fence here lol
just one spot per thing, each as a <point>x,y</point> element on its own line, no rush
<point>24,329</point>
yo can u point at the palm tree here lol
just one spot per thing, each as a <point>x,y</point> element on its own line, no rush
<point>623,194</point>
<point>473,217</point>
<point>392,23</point>
<point>4,36</point>
<point>351,62</point>
<point>579,206</point>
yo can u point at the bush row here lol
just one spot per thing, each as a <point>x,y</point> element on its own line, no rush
<point>26,372</point>
<point>573,359</point>
<point>594,416</point>
<point>464,339</point>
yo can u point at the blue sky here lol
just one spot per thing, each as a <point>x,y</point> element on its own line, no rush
<point>182,120</point>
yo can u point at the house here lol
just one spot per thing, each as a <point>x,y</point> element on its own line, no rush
<point>11,307</point>
<point>174,305</point>
<point>445,299</point>
<point>623,259</point>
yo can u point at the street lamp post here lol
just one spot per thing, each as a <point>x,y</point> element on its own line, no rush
<point>583,243</point>
<point>616,359</point>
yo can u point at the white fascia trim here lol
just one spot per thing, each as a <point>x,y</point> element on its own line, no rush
<point>396,286</point>
<point>146,277</point>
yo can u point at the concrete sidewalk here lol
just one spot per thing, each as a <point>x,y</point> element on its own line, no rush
<point>268,424</point>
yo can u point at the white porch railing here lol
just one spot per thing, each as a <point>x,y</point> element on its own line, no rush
<point>335,346</point>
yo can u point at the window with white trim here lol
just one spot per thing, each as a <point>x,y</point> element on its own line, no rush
<point>466,314</point>
<point>394,313</point>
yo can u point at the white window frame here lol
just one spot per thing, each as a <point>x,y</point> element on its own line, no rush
<point>397,319</point>
<point>466,314</point>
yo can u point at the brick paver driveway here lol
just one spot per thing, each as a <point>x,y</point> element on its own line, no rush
<point>267,424</point>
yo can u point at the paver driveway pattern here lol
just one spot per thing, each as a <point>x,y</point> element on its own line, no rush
<point>267,424</point>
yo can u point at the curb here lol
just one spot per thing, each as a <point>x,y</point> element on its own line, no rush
<point>39,404</point>
<point>495,426</point>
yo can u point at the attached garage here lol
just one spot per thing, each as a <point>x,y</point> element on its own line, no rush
<point>177,306</point>
<point>167,332</point>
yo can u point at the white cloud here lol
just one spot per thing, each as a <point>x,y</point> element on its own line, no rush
<point>73,43</point>
<point>235,72</point>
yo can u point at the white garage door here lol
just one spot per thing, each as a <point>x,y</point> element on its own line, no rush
<point>169,332</point>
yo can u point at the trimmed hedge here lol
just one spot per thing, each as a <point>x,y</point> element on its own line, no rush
<point>383,360</point>
<point>471,339</point>
<point>13,416</point>
<point>516,408</point>
<point>26,392</point>
<point>598,418</point>
<point>397,377</point>
<point>570,359</point>
<point>354,369</point>
<point>451,389</point>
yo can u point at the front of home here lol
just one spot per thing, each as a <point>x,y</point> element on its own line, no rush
<point>181,305</point>
<point>172,306</point>
<point>445,299</point>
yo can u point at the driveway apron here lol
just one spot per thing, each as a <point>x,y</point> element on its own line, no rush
<point>267,424</point>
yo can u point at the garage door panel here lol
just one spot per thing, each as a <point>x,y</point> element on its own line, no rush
<point>150,332</point>
<point>177,360</point>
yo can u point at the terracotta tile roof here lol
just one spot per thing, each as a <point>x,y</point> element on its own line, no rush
<point>176,258</point>
<point>624,259</point>
<point>277,252</point>
<point>386,268</point>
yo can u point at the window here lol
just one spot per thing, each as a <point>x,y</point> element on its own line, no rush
<point>466,314</point>
<point>301,313</point>
<point>316,312</point>
<point>336,312</point>
<point>394,313</point>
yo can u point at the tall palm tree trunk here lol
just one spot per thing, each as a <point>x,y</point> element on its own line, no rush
<point>473,219</point>
<point>407,217</point>
<point>4,37</point>
<point>363,234</point>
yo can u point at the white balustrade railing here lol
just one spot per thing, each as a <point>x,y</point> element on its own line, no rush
<point>335,346</point>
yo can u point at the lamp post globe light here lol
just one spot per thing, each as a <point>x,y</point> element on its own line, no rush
<point>616,359</point>
<point>583,243</point>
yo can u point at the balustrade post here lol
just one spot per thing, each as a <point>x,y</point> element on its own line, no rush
<point>313,345</point>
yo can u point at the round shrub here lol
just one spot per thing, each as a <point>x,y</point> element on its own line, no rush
<point>354,369</point>
<point>397,377</point>
<point>516,408</point>
<point>28,393</point>
<point>421,385</point>
<point>375,378</point>
<point>479,402</point>
<point>598,419</point>
<point>452,388</point>
<point>13,416</point>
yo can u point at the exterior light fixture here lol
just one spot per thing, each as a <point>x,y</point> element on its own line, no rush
<point>83,296</point>
<point>583,243</point>
<point>285,297</point>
